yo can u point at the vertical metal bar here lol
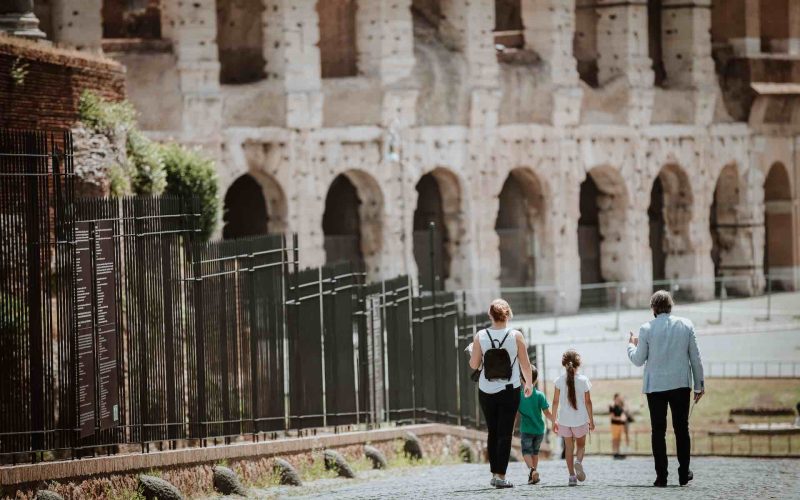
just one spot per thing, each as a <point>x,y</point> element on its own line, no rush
<point>322,348</point>
<point>432,243</point>
<point>411,342</point>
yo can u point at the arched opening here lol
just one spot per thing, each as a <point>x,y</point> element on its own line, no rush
<point>353,221</point>
<point>603,199</point>
<point>519,221</point>
<point>778,258</point>
<point>508,27</point>
<point>337,38</point>
<point>131,19</point>
<point>240,40</point>
<point>655,214</point>
<point>774,19</point>
<point>724,219</point>
<point>584,42</point>
<point>438,203</point>
<point>245,211</point>
<point>655,40</point>
<point>341,223</point>
<point>669,214</point>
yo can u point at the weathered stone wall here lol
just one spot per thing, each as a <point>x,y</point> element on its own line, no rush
<point>431,94</point>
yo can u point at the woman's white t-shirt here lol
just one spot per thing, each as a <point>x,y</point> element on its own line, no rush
<point>567,415</point>
<point>510,345</point>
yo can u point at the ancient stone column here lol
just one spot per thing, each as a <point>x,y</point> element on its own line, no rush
<point>549,30</point>
<point>467,26</point>
<point>622,46</point>
<point>686,49</point>
<point>192,28</point>
<point>17,19</point>
<point>291,52</point>
<point>385,39</point>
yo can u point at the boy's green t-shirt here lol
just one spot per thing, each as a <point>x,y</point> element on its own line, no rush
<point>530,410</point>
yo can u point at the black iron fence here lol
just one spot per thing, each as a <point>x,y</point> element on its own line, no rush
<point>121,329</point>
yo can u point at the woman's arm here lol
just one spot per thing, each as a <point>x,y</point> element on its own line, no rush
<point>477,355</point>
<point>524,362</point>
<point>587,398</point>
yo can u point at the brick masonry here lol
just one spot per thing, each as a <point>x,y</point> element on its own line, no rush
<point>49,82</point>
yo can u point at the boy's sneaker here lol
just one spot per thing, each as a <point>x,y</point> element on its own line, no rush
<point>493,481</point>
<point>573,481</point>
<point>502,483</point>
<point>533,476</point>
<point>579,473</point>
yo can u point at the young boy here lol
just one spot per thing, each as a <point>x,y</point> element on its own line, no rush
<point>532,427</point>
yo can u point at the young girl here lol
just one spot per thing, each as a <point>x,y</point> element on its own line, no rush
<point>573,405</point>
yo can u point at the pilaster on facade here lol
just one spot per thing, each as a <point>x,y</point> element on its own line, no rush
<point>622,45</point>
<point>385,43</point>
<point>191,26</point>
<point>78,23</point>
<point>291,52</point>
<point>549,31</point>
<point>686,48</point>
<point>467,26</point>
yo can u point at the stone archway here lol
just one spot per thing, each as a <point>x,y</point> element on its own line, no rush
<point>519,224</point>
<point>352,223</point>
<point>778,228</point>
<point>254,204</point>
<point>438,202</point>
<point>602,231</point>
<point>670,214</point>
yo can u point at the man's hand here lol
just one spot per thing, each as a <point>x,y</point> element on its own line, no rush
<point>698,395</point>
<point>528,390</point>
<point>633,339</point>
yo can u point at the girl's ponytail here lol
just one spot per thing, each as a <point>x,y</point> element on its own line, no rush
<point>571,361</point>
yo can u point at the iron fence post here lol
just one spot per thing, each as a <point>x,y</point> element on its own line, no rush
<point>322,347</point>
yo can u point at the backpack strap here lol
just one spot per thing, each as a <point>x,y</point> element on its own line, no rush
<point>492,341</point>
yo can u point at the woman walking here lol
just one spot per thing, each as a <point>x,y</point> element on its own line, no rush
<point>501,352</point>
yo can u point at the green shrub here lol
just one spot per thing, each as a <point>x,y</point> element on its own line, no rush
<point>190,173</point>
<point>149,177</point>
<point>103,116</point>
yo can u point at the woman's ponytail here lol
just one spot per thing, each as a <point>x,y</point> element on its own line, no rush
<point>571,360</point>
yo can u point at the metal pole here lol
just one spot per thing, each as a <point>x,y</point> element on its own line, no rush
<point>411,342</point>
<point>768,317</point>
<point>322,348</point>
<point>432,243</point>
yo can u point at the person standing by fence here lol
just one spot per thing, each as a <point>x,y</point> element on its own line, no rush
<point>500,353</point>
<point>668,348</point>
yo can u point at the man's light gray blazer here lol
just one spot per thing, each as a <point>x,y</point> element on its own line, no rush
<point>668,349</point>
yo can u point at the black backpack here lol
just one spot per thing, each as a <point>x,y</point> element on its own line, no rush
<point>497,363</point>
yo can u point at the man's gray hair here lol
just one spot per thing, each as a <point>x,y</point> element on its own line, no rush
<point>661,302</point>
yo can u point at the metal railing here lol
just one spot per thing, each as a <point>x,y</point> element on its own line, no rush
<point>711,369</point>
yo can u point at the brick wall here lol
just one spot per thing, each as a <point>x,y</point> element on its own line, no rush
<point>49,82</point>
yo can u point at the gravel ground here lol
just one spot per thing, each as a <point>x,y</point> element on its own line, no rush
<point>722,478</point>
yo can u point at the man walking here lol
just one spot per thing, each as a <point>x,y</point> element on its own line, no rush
<point>668,348</point>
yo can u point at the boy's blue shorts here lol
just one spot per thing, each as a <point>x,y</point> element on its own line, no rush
<point>531,443</point>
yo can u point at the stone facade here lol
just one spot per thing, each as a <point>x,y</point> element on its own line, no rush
<point>602,101</point>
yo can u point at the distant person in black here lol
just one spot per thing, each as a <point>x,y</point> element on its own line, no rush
<point>618,419</point>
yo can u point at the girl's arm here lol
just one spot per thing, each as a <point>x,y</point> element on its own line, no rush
<point>477,355</point>
<point>587,398</point>
<point>554,407</point>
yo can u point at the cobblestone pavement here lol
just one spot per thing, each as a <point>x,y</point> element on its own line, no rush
<point>722,478</point>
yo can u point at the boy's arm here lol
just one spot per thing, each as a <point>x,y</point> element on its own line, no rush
<point>549,415</point>
<point>587,398</point>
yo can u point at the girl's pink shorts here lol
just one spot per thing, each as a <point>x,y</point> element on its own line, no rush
<point>576,432</point>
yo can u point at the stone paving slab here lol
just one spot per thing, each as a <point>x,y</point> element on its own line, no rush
<point>715,478</point>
